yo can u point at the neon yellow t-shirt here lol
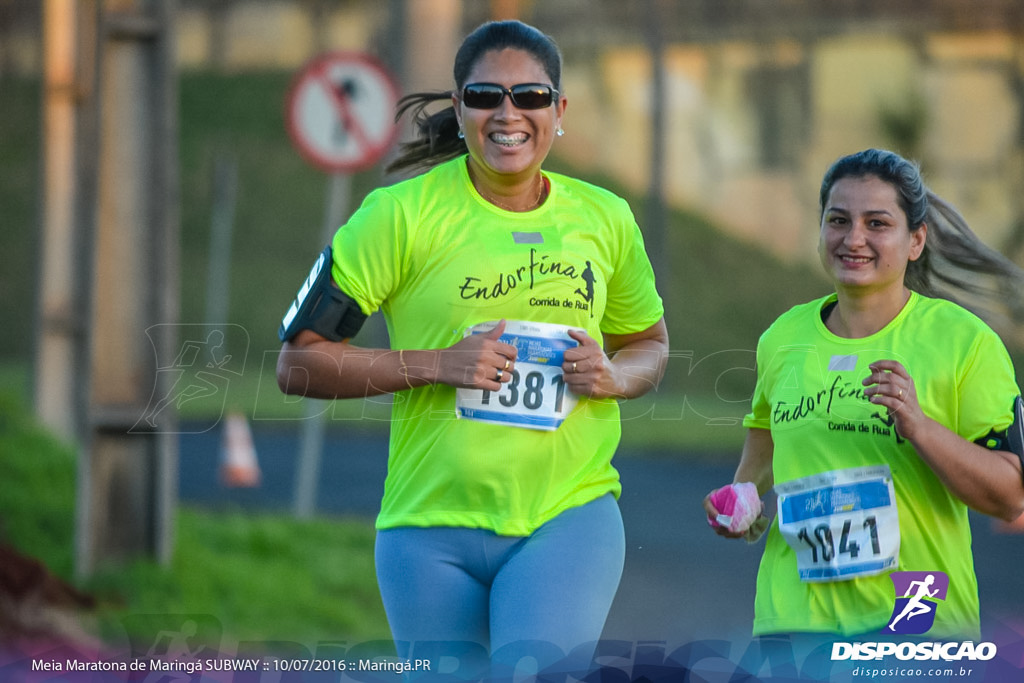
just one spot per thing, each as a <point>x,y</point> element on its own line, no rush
<point>436,259</point>
<point>809,394</point>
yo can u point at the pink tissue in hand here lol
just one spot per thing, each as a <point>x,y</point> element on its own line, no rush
<point>738,506</point>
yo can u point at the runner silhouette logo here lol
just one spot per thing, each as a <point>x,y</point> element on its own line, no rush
<point>917,596</point>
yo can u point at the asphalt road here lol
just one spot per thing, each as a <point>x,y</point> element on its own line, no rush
<point>681,582</point>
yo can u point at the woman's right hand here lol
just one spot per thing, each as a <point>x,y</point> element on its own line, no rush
<point>712,514</point>
<point>755,468</point>
<point>478,361</point>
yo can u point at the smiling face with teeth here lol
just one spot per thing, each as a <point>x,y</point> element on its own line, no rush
<point>507,145</point>
<point>865,242</point>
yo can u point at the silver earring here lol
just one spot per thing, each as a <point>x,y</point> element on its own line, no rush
<point>559,132</point>
<point>462,136</point>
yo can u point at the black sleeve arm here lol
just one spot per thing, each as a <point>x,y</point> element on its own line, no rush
<point>321,307</point>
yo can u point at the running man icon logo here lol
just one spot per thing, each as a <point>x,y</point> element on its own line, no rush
<point>917,594</point>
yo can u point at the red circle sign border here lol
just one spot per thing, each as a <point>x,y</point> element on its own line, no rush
<point>313,69</point>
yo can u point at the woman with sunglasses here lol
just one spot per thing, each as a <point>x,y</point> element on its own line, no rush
<point>882,413</point>
<point>521,307</point>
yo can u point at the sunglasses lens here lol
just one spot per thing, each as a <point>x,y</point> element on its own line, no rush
<point>524,95</point>
<point>482,96</point>
<point>532,96</point>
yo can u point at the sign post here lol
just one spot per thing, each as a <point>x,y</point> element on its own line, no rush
<point>340,116</point>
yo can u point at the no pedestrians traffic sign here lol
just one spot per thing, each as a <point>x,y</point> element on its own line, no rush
<point>340,112</point>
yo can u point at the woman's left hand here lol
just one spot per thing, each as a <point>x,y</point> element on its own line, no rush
<point>586,370</point>
<point>633,364</point>
<point>891,386</point>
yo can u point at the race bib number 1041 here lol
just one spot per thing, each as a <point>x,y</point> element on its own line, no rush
<point>537,397</point>
<point>842,524</point>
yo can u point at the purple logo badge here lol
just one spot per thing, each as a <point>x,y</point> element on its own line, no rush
<point>917,596</point>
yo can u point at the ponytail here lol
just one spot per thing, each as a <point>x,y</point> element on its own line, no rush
<point>437,134</point>
<point>957,265</point>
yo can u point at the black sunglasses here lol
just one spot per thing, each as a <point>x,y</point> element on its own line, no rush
<point>524,95</point>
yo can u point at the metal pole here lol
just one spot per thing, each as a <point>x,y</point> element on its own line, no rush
<point>654,218</point>
<point>59,324</point>
<point>339,197</point>
<point>85,214</point>
<point>128,484</point>
<point>218,268</point>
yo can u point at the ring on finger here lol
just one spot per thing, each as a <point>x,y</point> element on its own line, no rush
<point>507,363</point>
<point>500,374</point>
<point>574,367</point>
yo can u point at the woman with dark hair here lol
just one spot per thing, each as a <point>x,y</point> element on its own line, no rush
<point>880,415</point>
<point>499,524</point>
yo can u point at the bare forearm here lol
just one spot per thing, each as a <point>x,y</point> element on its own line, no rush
<point>315,367</point>
<point>756,462</point>
<point>639,367</point>
<point>634,364</point>
<point>340,370</point>
<point>986,480</point>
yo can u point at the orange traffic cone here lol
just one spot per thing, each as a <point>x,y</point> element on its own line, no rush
<point>238,466</point>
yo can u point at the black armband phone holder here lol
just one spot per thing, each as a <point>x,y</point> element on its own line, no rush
<point>1012,439</point>
<point>321,307</point>
<point>1015,432</point>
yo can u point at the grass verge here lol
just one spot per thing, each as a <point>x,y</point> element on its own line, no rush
<point>257,577</point>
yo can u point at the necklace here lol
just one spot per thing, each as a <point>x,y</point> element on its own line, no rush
<point>532,206</point>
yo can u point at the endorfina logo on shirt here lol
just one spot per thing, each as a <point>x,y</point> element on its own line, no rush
<point>538,267</point>
<point>833,402</point>
<point>917,596</point>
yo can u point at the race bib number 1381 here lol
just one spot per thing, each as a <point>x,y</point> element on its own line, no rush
<point>537,397</point>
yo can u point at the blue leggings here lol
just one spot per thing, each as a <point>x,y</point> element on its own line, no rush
<point>546,595</point>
